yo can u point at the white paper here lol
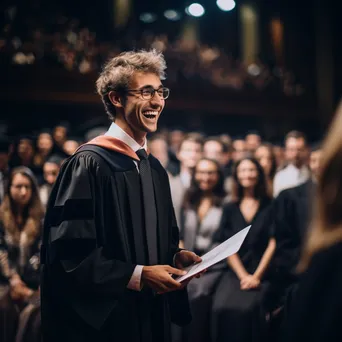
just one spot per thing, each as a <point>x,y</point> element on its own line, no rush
<point>222,251</point>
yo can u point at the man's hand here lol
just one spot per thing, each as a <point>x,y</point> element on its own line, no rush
<point>186,258</point>
<point>249,282</point>
<point>159,278</point>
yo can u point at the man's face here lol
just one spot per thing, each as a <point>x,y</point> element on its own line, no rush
<point>213,150</point>
<point>316,163</point>
<point>50,172</point>
<point>159,150</point>
<point>190,153</point>
<point>45,143</point>
<point>176,138</point>
<point>25,149</point>
<point>253,141</point>
<point>142,115</point>
<point>296,151</point>
<point>59,134</point>
<point>70,146</point>
<point>240,150</point>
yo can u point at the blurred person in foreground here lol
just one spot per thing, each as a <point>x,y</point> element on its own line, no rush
<point>110,236</point>
<point>315,310</point>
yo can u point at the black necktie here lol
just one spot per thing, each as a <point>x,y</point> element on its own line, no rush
<point>149,206</point>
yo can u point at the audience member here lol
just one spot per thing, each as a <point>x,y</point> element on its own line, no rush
<point>238,311</point>
<point>292,213</point>
<point>50,170</point>
<point>296,172</point>
<point>70,145</point>
<point>189,154</point>
<point>21,215</point>
<point>253,141</point>
<point>240,149</point>
<point>266,158</point>
<point>202,211</point>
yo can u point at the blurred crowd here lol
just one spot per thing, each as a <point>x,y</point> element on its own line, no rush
<point>219,185</point>
<point>54,40</point>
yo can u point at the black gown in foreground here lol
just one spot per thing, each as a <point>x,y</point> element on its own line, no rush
<point>315,310</point>
<point>94,237</point>
<point>240,316</point>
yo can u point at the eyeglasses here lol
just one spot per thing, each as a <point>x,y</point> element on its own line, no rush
<point>148,93</point>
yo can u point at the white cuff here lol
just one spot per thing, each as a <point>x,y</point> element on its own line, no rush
<point>135,281</point>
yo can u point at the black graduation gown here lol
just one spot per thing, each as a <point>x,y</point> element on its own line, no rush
<point>315,311</point>
<point>93,239</point>
<point>292,211</point>
<point>239,316</point>
<point>291,214</point>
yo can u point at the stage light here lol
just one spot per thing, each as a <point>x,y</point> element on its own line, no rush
<point>225,5</point>
<point>195,9</point>
<point>172,15</point>
<point>148,17</point>
<point>254,70</point>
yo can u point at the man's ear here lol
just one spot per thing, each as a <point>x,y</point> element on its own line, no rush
<point>116,99</point>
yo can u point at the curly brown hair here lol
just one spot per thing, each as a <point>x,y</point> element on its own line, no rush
<point>33,212</point>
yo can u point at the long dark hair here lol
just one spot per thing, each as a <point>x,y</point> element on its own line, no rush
<point>260,190</point>
<point>33,212</point>
<point>193,195</point>
<point>273,159</point>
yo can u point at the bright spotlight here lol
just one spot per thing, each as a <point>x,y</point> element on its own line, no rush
<point>148,18</point>
<point>225,5</point>
<point>196,10</point>
<point>172,15</point>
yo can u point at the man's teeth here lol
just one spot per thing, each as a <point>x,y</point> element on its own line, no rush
<point>150,114</point>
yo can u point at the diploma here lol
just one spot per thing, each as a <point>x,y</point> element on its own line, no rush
<point>217,254</point>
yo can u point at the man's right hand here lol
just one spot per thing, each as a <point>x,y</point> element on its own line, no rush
<point>159,278</point>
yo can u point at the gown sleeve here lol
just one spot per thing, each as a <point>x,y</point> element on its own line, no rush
<point>284,231</point>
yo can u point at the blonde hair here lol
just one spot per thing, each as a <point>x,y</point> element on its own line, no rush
<point>118,71</point>
<point>326,227</point>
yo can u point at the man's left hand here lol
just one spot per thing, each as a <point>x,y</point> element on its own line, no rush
<point>186,258</point>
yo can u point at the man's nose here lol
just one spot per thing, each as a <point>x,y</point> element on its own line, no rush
<point>157,100</point>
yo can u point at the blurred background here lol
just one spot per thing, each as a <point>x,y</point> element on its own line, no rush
<point>258,78</point>
<point>233,66</point>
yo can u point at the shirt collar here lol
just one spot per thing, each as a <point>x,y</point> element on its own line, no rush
<point>117,132</point>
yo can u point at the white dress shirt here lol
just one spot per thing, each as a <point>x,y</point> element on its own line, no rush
<point>289,177</point>
<point>117,132</point>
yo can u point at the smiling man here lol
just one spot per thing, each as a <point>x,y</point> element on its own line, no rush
<point>110,234</point>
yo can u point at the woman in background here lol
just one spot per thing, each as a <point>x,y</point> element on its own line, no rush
<point>238,308</point>
<point>265,156</point>
<point>21,215</point>
<point>201,215</point>
<point>315,309</point>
